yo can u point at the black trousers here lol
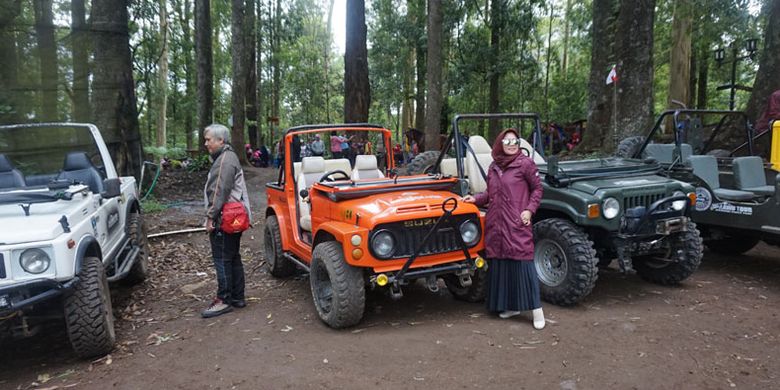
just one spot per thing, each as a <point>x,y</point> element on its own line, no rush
<point>227,262</point>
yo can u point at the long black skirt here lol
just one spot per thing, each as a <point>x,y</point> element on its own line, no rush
<point>512,285</point>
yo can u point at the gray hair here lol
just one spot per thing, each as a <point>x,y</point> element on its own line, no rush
<point>218,131</point>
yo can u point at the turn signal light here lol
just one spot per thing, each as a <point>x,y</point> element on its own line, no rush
<point>692,197</point>
<point>382,280</point>
<point>479,262</point>
<point>357,253</point>
<point>594,211</point>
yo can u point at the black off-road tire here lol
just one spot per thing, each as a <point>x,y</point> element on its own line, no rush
<point>88,316</point>
<point>565,261</point>
<point>137,232</point>
<point>671,273</point>
<point>422,163</point>
<point>732,245</point>
<point>476,292</point>
<point>279,266</point>
<point>629,146</point>
<point>338,289</point>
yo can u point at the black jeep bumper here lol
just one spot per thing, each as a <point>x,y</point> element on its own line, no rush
<point>458,268</point>
<point>23,295</point>
<point>660,219</point>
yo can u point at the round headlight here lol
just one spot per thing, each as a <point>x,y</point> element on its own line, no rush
<point>679,204</point>
<point>34,261</point>
<point>611,208</point>
<point>469,231</point>
<point>383,244</point>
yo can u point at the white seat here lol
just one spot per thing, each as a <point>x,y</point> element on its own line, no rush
<point>482,150</point>
<point>339,164</point>
<point>312,169</point>
<point>538,159</point>
<point>366,168</point>
<point>296,169</point>
<point>449,167</point>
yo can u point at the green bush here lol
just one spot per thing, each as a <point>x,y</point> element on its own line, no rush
<point>199,163</point>
<point>151,206</point>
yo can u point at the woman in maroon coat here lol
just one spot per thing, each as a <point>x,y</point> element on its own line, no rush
<point>513,195</point>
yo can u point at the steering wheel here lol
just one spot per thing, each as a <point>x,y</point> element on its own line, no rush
<point>327,176</point>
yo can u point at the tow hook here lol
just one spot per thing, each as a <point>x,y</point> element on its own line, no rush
<point>465,280</point>
<point>395,292</point>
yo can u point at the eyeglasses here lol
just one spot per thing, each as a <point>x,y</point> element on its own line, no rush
<point>510,141</point>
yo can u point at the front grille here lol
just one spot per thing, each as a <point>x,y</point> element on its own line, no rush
<point>2,267</point>
<point>645,198</point>
<point>408,236</point>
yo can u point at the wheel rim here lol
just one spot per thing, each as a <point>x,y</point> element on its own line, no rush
<point>550,261</point>
<point>323,288</point>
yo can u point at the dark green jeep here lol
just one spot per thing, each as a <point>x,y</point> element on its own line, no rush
<point>592,211</point>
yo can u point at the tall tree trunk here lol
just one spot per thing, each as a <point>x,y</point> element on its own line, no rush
<point>251,80</point>
<point>259,72</point>
<point>680,68</point>
<point>566,37</point>
<point>115,110</point>
<point>434,103</point>
<point>634,51</point>
<point>600,95</point>
<point>547,71</point>
<point>494,73</point>
<point>186,17</point>
<point>79,41</point>
<point>767,80</point>
<point>327,60</point>
<point>701,79</point>
<point>205,69</point>
<point>277,73</point>
<point>421,67</point>
<point>162,78</point>
<point>47,55</point>
<point>408,96</point>
<point>9,94</point>
<point>357,91</point>
<point>238,91</point>
<point>692,74</point>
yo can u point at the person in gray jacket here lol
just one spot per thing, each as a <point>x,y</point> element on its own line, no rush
<point>225,183</point>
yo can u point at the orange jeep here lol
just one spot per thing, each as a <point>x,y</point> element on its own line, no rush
<point>351,222</point>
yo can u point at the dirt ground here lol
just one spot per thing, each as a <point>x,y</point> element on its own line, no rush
<point>718,329</point>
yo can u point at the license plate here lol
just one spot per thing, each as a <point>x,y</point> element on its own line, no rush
<point>5,303</point>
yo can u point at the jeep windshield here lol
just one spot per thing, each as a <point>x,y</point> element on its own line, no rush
<point>33,155</point>
<point>703,132</point>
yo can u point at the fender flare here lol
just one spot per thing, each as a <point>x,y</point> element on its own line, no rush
<point>87,245</point>
<point>277,211</point>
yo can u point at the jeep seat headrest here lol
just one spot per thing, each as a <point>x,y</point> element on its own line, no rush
<point>5,164</point>
<point>313,164</point>
<point>365,161</point>
<point>77,160</point>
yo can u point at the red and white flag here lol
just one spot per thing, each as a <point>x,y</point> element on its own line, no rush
<point>612,77</point>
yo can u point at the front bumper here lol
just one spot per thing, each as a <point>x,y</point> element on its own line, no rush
<point>657,220</point>
<point>23,295</point>
<point>457,268</point>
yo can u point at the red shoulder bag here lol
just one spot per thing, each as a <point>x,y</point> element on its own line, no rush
<point>234,218</point>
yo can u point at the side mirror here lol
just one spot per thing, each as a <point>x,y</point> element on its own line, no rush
<point>111,188</point>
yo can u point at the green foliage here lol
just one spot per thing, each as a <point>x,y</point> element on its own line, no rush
<point>151,205</point>
<point>199,163</point>
<point>176,153</point>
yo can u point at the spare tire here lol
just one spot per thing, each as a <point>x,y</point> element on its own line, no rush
<point>628,147</point>
<point>422,163</point>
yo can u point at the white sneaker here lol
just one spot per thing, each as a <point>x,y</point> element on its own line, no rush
<point>509,314</point>
<point>538,319</point>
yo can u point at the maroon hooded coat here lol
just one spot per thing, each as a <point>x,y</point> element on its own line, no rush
<point>772,111</point>
<point>509,192</point>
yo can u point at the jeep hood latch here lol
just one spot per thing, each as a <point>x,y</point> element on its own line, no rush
<point>65,225</point>
<point>26,208</point>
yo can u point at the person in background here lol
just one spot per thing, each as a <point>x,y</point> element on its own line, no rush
<point>335,144</point>
<point>317,146</point>
<point>771,112</point>
<point>513,194</point>
<point>225,183</point>
<point>264,156</point>
<point>296,148</point>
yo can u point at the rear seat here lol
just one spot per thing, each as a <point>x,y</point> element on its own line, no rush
<point>706,167</point>
<point>482,151</point>
<point>664,153</point>
<point>366,168</point>
<point>339,164</point>
<point>448,166</point>
<point>749,175</point>
<point>10,177</point>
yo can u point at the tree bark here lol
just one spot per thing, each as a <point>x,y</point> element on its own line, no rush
<point>115,111</point>
<point>186,17</point>
<point>10,109</point>
<point>80,49</point>
<point>47,55</point>
<point>634,51</point>
<point>701,79</point>
<point>434,102</point>
<point>162,78</point>
<point>277,73</point>
<point>420,68</point>
<point>600,96</point>
<point>327,61</point>
<point>566,37</point>
<point>767,80</point>
<point>680,65</point>
<point>205,68</point>
<point>251,80</point>
<point>238,92</point>
<point>357,91</point>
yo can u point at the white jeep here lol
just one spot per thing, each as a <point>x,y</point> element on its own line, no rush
<point>68,226</point>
